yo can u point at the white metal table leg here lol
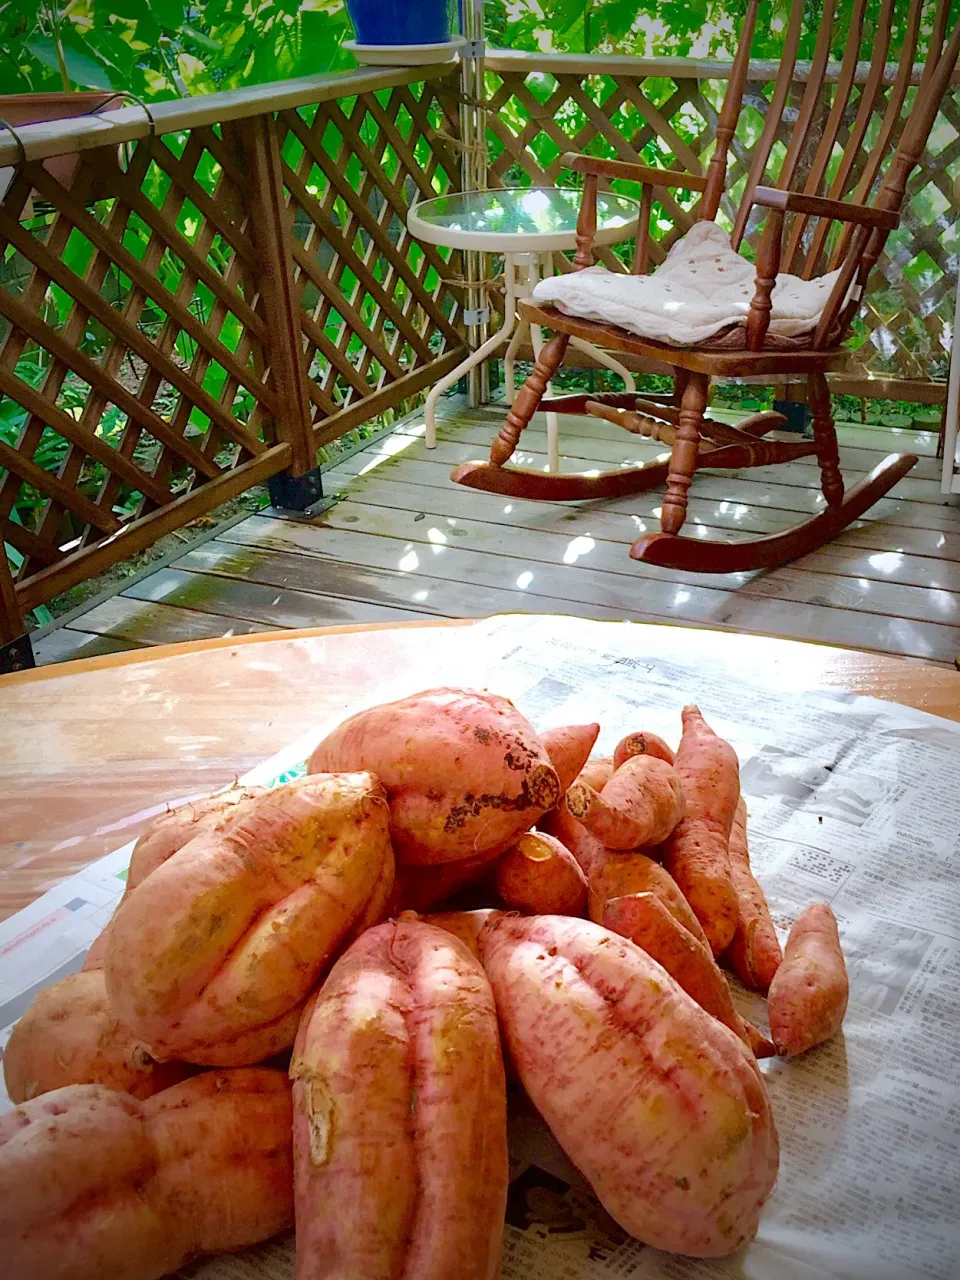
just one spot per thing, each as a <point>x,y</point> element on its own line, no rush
<point>509,361</point>
<point>607,360</point>
<point>482,353</point>
<point>949,477</point>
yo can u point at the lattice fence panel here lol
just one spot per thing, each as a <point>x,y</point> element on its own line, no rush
<point>139,369</point>
<point>376,306</point>
<point>906,323</point>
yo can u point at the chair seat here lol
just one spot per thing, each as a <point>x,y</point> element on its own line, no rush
<point>701,290</point>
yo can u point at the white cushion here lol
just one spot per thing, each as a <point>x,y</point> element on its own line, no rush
<point>703,286</point>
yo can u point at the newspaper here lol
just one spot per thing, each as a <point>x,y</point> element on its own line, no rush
<point>852,801</point>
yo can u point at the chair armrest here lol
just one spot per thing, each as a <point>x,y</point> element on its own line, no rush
<point>644,173</point>
<point>818,207</point>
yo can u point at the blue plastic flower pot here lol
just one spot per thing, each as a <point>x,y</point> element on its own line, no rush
<point>400,21</point>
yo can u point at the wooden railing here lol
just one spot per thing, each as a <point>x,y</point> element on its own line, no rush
<point>199,312</point>
<point>665,110</point>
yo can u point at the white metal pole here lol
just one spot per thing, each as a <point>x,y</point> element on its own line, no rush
<point>473,129</point>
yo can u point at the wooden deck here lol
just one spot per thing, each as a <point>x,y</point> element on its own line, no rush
<point>406,543</point>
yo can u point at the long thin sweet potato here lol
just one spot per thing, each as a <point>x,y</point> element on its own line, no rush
<point>754,954</point>
<point>697,855</point>
<point>597,772</point>
<point>809,992</point>
<point>617,875</point>
<point>400,1114</point>
<point>639,806</point>
<point>644,919</point>
<point>573,835</point>
<point>568,749</point>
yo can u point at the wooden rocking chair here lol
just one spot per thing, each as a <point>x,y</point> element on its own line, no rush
<point>801,245</point>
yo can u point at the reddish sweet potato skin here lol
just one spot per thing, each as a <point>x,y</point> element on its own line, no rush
<point>212,957</point>
<point>638,807</point>
<point>597,772</point>
<point>697,853</point>
<point>679,1143</point>
<point>754,954</point>
<point>540,876</point>
<point>71,1035</point>
<point>641,744</point>
<point>400,1114</point>
<point>569,748</point>
<point>96,1184</point>
<point>644,919</point>
<point>574,836</point>
<point>809,992</point>
<point>464,771</point>
<point>617,875</point>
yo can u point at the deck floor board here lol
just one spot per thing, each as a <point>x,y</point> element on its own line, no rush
<point>403,542</point>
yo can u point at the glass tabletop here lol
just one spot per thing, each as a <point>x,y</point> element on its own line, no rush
<point>523,211</point>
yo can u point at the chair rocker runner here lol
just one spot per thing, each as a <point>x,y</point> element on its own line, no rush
<point>797,333</point>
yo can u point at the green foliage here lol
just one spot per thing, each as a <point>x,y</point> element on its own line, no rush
<point>166,48</point>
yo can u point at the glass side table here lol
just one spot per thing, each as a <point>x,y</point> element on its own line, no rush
<point>525,225</point>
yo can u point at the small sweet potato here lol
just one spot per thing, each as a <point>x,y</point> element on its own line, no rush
<point>644,919</point>
<point>213,955</point>
<point>617,875</point>
<point>661,1108</point>
<point>639,806</point>
<point>568,749</point>
<point>574,836</point>
<point>809,992</point>
<point>464,771</point>
<point>641,744</point>
<point>96,1184</point>
<point>71,1035</point>
<point>697,854</point>
<point>754,954</point>
<point>540,876</point>
<point>400,1114</point>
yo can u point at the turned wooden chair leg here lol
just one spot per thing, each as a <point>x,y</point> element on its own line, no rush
<point>825,437</point>
<point>683,456</point>
<point>529,397</point>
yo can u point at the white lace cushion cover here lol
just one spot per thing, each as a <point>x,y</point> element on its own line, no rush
<point>703,286</point>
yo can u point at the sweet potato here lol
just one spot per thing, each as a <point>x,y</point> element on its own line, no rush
<point>641,744</point>
<point>568,749</point>
<point>170,832</point>
<point>644,919</point>
<point>465,925</point>
<point>465,773</point>
<point>71,1035</point>
<point>617,875</point>
<point>400,1114</point>
<point>573,835</point>
<point>540,876</point>
<point>809,992</point>
<point>761,1046</point>
<point>424,888</point>
<point>597,772</point>
<point>639,806</point>
<point>696,855</point>
<point>754,954</point>
<point>212,956</point>
<point>95,1184</point>
<point>660,1107</point>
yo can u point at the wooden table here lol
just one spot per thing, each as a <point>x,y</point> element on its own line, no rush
<point>90,751</point>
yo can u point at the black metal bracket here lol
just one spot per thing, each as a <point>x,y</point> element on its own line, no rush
<point>796,412</point>
<point>17,655</point>
<point>298,497</point>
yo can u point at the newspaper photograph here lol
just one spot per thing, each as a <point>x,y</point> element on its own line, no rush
<point>853,802</point>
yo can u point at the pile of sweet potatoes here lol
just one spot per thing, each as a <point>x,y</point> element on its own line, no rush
<point>590,904</point>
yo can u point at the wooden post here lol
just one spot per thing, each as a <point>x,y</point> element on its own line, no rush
<point>16,652</point>
<point>271,229</point>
